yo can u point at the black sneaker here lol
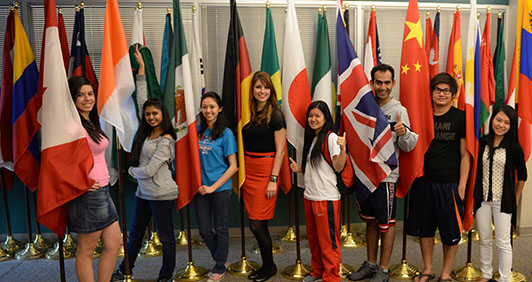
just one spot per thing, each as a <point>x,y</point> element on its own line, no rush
<point>117,276</point>
<point>365,271</point>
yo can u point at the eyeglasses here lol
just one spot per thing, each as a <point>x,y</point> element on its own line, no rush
<point>438,90</point>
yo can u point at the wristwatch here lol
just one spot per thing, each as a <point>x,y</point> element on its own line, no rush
<point>273,178</point>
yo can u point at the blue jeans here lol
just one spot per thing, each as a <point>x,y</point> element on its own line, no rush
<point>162,212</point>
<point>217,241</point>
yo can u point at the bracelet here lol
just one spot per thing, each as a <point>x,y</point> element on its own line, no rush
<point>273,178</point>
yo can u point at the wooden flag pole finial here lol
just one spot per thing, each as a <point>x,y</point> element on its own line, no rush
<point>373,7</point>
<point>500,15</point>
<point>458,8</point>
<point>428,14</point>
<point>139,5</point>
<point>267,4</point>
<point>77,8</point>
<point>438,9</point>
<point>60,10</point>
<point>194,9</point>
<point>82,5</point>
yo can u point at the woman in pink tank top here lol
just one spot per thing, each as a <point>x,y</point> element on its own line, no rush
<point>93,214</point>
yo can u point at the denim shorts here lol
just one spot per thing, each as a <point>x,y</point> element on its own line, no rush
<point>92,211</point>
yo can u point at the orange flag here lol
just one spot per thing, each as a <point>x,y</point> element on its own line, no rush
<point>415,97</point>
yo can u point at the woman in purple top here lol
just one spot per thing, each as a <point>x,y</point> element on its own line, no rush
<point>93,214</point>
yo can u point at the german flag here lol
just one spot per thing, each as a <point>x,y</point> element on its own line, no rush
<point>236,85</point>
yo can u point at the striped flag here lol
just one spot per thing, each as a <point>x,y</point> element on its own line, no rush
<point>362,117</point>
<point>63,39</point>
<point>26,104</point>
<point>80,62</point>
<point>270,59</point>
<point>472,108</point>
<point>415,97</point>
<point>521,81</point>
<point>322,86</point>
<point>179,99</point>
<point>432,43</point>
<point>168,38</point>
<point>6,103</point>
<point>372,53</point>
<point>115,102</point>
<point>454,61</point>
<point>62,150</point>
<point>487,79</point>
<point>137,32</point>
<point>196,62</point>
<point>296,90</point>
<point>236,85</point>
<point>499,68</point>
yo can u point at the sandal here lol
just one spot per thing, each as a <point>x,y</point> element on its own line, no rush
<point>444,280</point>
<point>429,277</point>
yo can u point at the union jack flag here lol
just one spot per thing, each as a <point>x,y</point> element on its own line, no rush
<point>369,137</point>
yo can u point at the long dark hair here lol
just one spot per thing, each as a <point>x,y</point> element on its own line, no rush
<point>219,124</point>
<point>145,129</point>
<point>271,104</point>
<point>92,125</point>
<point>310,133</point>
<point>510,139</point>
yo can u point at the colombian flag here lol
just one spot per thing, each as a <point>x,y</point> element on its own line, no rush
<point>523,68</point>
<point>26,104</point>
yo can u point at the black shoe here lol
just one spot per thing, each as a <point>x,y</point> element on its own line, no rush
<point>264,276</point>
<point>117,276</point>
<point>253,275</point>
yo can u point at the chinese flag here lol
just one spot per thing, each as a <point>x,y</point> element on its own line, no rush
<point>415,96</point>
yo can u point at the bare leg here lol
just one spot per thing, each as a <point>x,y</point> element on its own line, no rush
<point>86,245</point>
<point>372,238</point>
<point>112,241</point>
<point>427,249</point>
<point>449,252</point>
<point>386,246</point>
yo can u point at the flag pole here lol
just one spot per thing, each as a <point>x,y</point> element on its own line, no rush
<point>190,272</point>
<point>128,276</point>
<point>150,248</point>
<point>61,259</point>
<point>41,243</point>
<point>467,272</point>
<point>402,270</point>
<point>299,270</point>
<point>66,248</point>
<point>30,252</point>
<point>289,236</point>
<point>349,241</point>
<point>10,245</point>
<point>243,267</point>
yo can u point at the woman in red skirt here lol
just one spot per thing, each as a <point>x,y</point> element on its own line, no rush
<point>264,145</point>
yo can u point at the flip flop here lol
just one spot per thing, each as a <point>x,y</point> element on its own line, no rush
<point>429,276</point>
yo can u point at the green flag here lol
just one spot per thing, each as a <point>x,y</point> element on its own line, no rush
<point>498,64</point>
<point>322,87</point>
<point>270,60</point>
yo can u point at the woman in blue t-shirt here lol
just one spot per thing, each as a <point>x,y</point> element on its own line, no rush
<point>217,147</point>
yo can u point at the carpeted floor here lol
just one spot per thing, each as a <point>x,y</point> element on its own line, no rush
<point>146,269</point>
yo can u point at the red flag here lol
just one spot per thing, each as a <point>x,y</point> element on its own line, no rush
<point>6,105</point>
<point>455,62</point>
<point>63,39</point>
<point>487,78</point>
<point>62,150</point>
<point>6,96</point>
<point>415,97</point>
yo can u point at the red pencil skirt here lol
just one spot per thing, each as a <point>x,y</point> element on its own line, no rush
<point>258,170</point>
